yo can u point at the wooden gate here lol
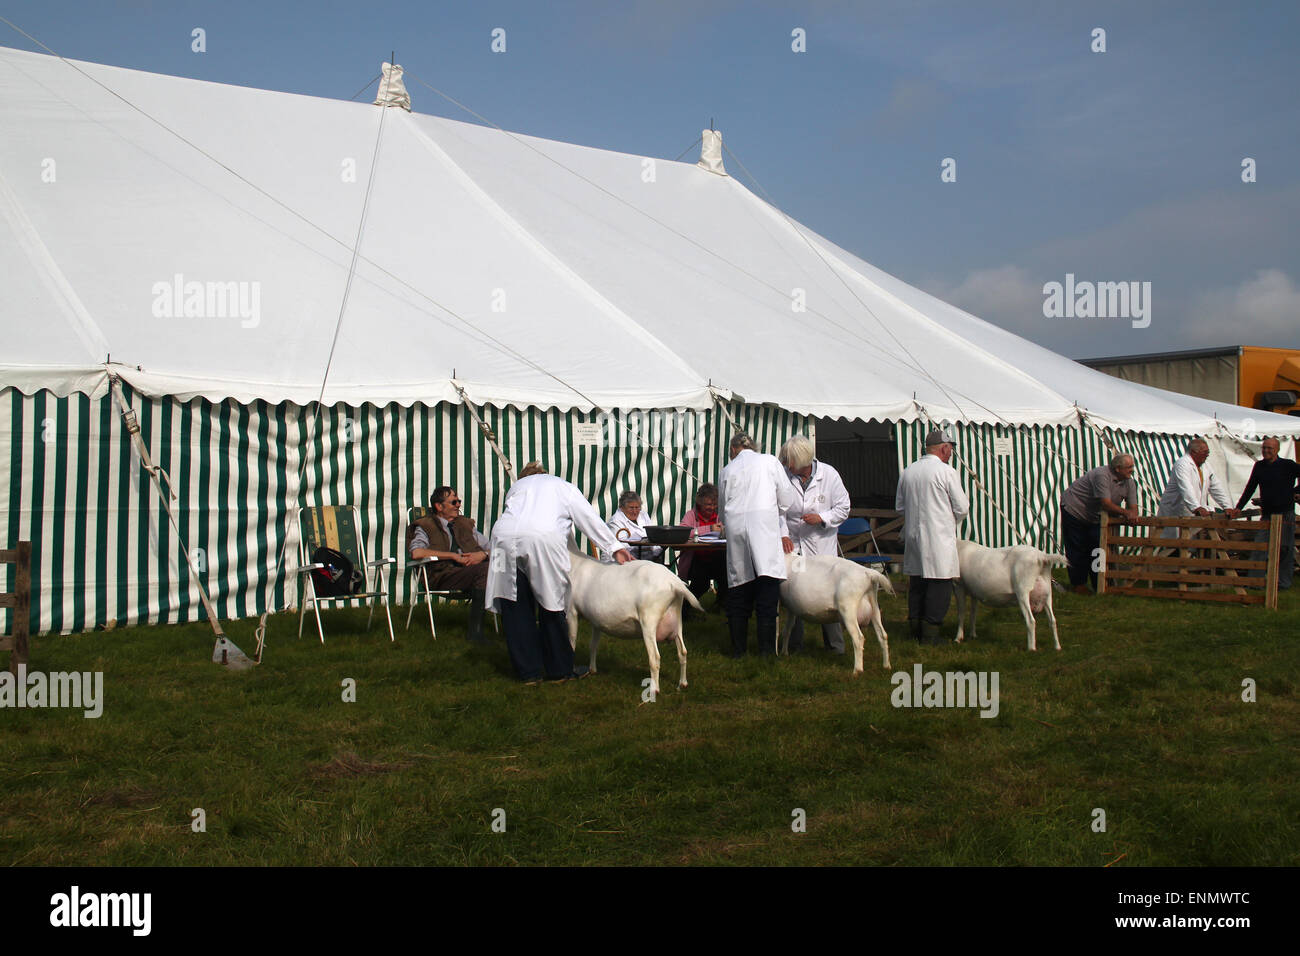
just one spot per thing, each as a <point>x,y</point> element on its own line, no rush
<point>1210,560</point>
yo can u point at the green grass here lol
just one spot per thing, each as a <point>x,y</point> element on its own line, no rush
<point>1141,715</point>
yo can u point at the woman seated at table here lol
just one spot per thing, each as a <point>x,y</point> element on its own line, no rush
<point>698,568</point>
<point>628,524</point>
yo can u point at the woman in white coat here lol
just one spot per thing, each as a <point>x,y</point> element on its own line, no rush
<point>753,496</point>
<point>821,505</point>
<point>528,575</point>
<point>628,524</point>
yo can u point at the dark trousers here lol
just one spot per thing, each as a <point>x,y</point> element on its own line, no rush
<point>1082,541</point>
<point>709,566</point>
<point>537,639</point>
<point>762,594</point>
<point>1286,549</point>
<point>450,576</point>
<point>928,599</point>
<point>832,637</point>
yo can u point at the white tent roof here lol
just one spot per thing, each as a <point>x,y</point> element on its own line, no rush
<point>535,272</point>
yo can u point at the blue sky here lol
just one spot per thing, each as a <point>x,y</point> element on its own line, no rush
<point>1122,165</point>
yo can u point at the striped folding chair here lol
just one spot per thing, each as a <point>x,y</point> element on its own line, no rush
<point>339,527</point>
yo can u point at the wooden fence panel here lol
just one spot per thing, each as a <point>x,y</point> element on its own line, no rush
<point>1196,562</point>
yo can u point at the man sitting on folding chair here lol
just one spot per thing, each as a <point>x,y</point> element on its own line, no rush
<point>461,551</point>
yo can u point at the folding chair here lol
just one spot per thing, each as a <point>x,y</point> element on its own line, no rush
<point>339,527</point>
<point>423,589</point>
<point>855,528</point>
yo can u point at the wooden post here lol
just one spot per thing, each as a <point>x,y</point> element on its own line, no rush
<point>1213,535</point>
<point>1184,538</point>
<point>21,603</point>
<point>1274,541</point>
<point>1105,553</point>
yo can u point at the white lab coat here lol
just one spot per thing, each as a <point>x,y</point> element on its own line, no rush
<point>635,532</point>
<point>826,496</point>
<point>753,496</point>
<point>933,505</point>
<point>1187,491</point>
<point>533,534</point>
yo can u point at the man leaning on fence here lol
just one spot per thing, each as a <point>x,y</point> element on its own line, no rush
<point>1192,489</point>
<point>461,551</point>
<point>1097,490</point>
<point>1276,480</point>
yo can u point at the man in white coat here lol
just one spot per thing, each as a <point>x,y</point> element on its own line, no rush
<point>528,576</point>
<point>753,497</point>
<point>1191,487</point>
<point>821,505</point>
<point>933,505</point>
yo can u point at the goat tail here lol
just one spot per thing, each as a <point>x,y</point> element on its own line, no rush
<point>881,580</point>
<point>686,594</point>
<point>1054,561</point>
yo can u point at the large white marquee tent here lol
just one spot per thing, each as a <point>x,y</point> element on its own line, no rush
<point>196,241</point>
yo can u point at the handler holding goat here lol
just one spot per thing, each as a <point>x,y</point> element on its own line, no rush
<point>821,505</point>
<point>753,496</point>
<point>528,584</point>
<point>933,505</point>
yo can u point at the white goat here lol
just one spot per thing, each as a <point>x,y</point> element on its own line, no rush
<point>1005,576</point>
<point>832,590</point>
<point>638,599</point>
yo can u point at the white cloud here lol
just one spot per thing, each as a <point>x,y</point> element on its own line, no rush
<point>1005,296</point>
<point>1261,310</point>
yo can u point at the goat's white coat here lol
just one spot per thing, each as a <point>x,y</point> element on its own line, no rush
<point>1005,576</point>
<point>638,599</point>
<point>829,589</point>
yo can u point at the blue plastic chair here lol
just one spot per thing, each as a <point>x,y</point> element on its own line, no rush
<point>855,527</point>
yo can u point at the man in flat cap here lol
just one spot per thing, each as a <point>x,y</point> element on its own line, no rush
<point>933,505</point>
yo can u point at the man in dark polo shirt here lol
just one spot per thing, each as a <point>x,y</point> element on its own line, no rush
<point>1276,480</point>
<point>1096,491</point>
<point>461,552</point>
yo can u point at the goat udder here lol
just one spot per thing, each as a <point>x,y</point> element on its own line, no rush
<point>667,629</point>
<point>1038,596</point>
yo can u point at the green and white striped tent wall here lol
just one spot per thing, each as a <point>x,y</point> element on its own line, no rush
<point>105,555</point>
<point>1015,476</point>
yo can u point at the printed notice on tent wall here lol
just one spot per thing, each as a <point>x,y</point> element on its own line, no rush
<point>588,433</point>
<point>1002,446</point>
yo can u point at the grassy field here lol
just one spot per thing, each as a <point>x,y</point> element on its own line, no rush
<point>1141,715</point>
